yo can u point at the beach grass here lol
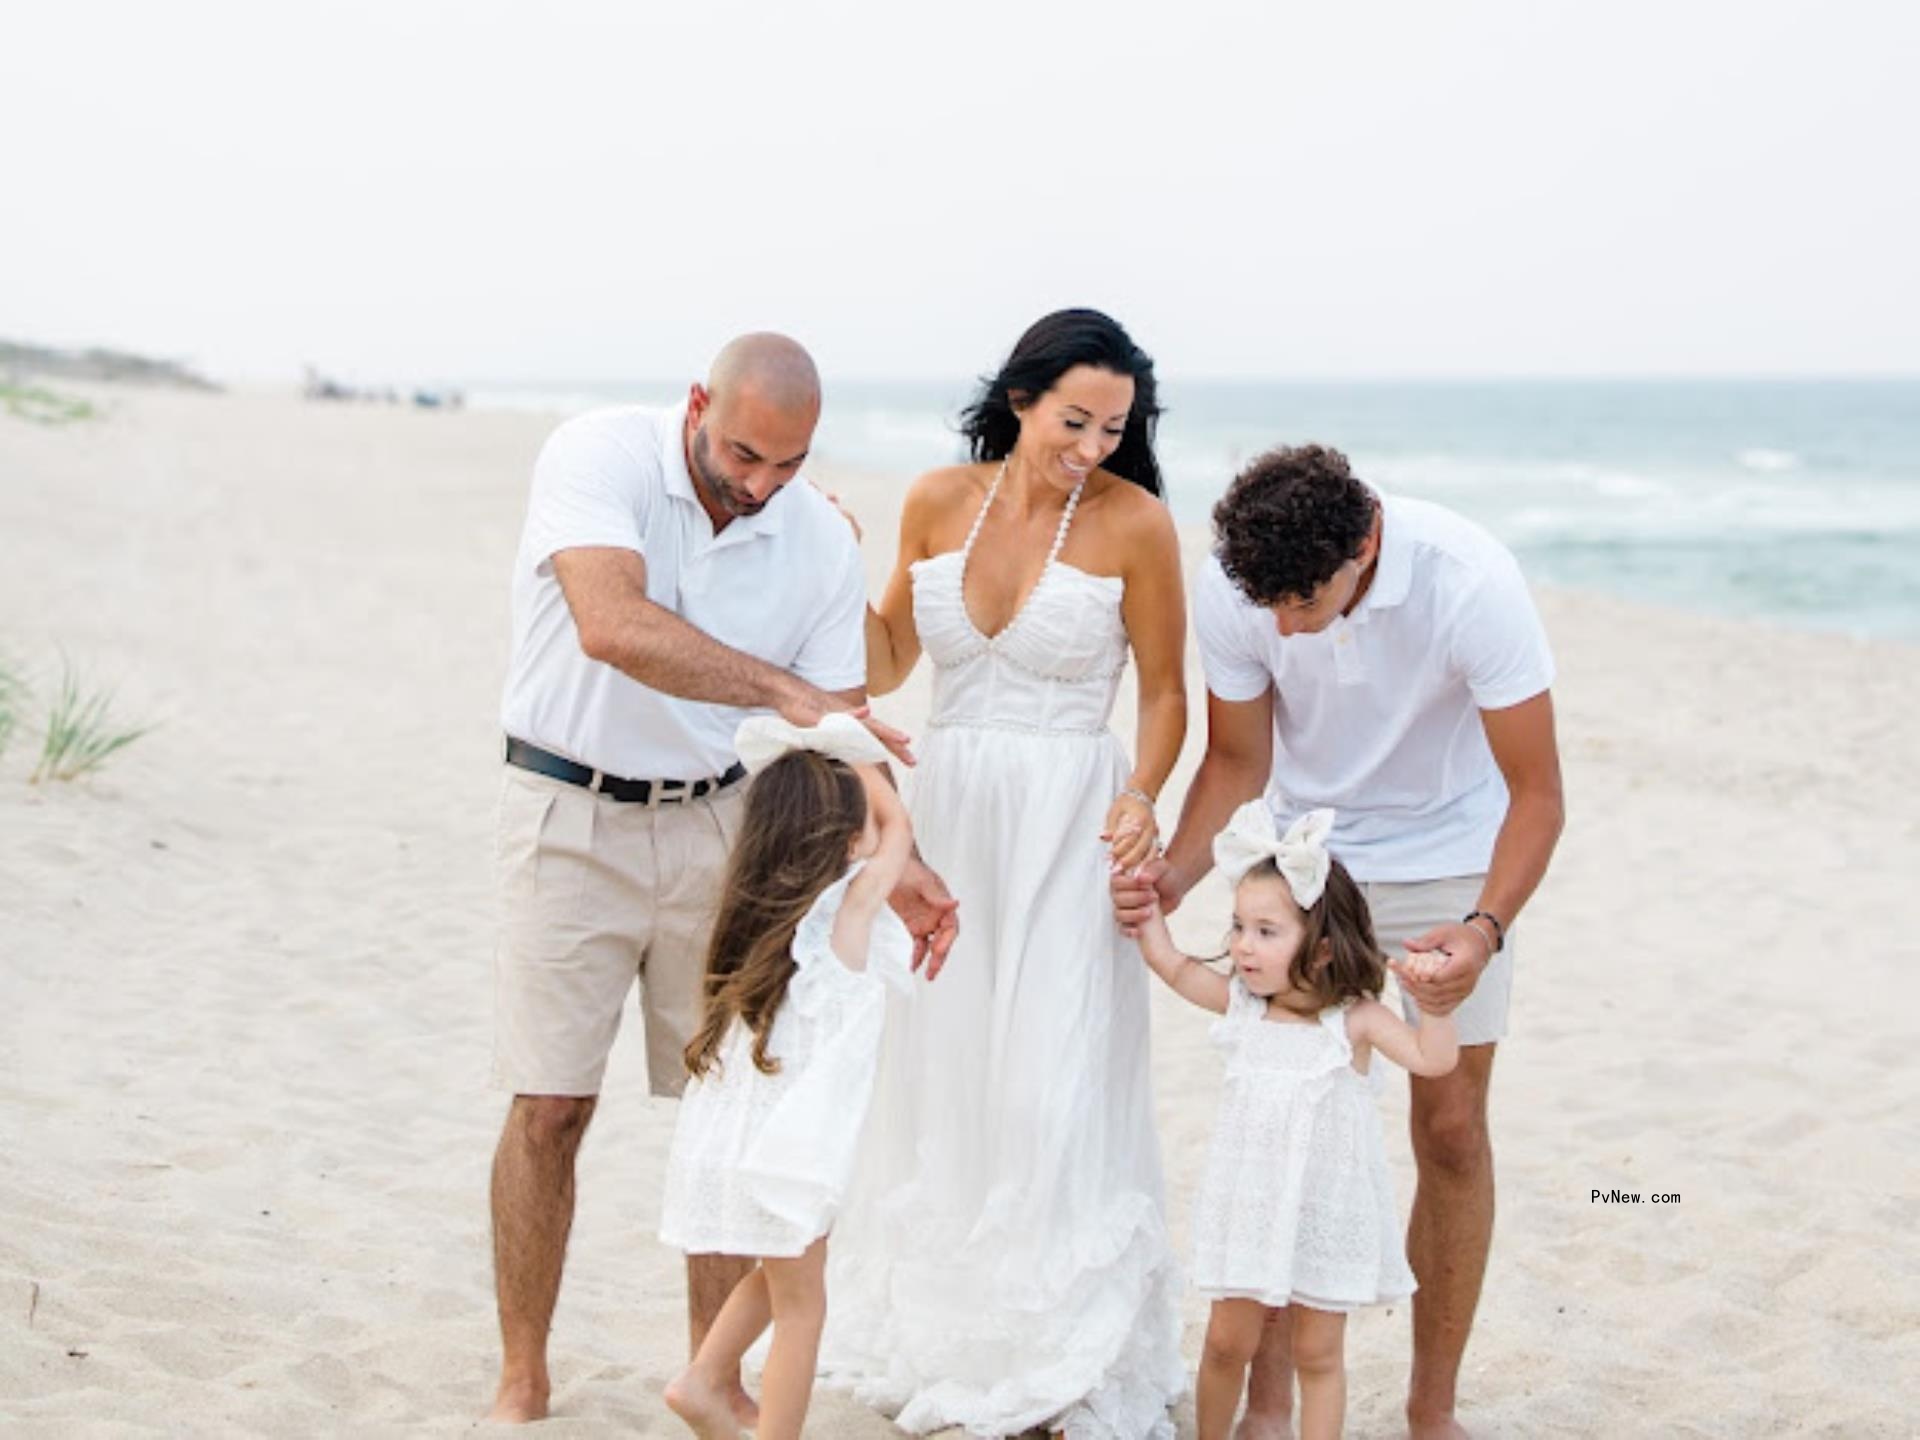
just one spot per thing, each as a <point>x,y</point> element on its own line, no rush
<point>82,733</point>
<point>44,406</point>
<point>13,695</point>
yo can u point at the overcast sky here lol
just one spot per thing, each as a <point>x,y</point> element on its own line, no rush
<point>594,191</point>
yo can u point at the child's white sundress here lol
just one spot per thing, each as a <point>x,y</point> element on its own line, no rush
<point>760,1162</point>
<point>1297,1205</point>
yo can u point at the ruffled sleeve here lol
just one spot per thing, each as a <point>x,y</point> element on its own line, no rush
<point>799,1163</point>
<point>1333,1020</point>
<point>1380,1065</point>
<point>821,977</point>
<point>820,974</point>
<point>1243,1008</point>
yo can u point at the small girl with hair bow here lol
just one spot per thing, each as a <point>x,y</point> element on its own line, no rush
<point>1296,1209</point>
<point>783,1066</point>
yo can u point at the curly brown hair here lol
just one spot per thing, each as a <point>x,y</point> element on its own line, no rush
<point>1354,968</point>
<point>1290,520</point>
<point>803,812</point>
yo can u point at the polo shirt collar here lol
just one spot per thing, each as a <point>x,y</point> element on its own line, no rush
<point>1393,570</point>
<point>673,466</point>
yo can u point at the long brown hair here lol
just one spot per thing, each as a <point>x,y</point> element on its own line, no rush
<point>803,812</point>
<point>1353,968</point>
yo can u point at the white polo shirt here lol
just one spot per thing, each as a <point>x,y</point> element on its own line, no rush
<point>786,586</point>
<point>1378,715</point>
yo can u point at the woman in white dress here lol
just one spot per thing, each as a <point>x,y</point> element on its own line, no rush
<point>1003,1261</point>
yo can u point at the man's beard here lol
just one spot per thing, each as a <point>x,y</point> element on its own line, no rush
<point>715,484</point>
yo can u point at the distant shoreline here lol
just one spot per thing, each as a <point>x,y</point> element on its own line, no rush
<point>119,367</point>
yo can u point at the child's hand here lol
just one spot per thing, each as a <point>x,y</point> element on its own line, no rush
<point>1426,964</point>
<point>1421,965</point>
<point>1153,929</point>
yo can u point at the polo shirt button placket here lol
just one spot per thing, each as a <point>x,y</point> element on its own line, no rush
<point>1347,666</point>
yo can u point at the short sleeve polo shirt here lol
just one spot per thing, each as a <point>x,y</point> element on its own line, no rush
<point>786,586</point>
<point>1378,715</point>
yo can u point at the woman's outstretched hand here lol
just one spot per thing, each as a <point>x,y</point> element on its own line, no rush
<point>847,515</point>
<point>930,913</point>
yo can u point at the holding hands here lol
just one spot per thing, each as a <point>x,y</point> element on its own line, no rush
<point>1142,892</point>
<point>1443,966</point>
<point>1131,830</point>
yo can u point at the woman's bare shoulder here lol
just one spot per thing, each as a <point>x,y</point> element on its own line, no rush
<point>937,495</point>
<point>1126,499</point>
<point>950,484</point>
<point>1132,519</point>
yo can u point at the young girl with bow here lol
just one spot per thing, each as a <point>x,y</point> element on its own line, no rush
<point>1296,1209</point>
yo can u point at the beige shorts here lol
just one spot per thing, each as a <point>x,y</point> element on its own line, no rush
<point>1404,909</point>
<point>596,894</point>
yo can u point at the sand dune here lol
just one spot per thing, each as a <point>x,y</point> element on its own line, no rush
<point>244,984</point>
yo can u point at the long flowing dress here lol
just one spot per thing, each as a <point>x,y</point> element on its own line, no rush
<point>1003,1259</point>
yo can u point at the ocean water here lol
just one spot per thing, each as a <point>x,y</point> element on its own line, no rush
<point>1791,501</point>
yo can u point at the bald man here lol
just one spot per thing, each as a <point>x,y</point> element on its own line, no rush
<point>671,578</point>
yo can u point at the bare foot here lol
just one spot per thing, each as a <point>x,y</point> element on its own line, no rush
<point>1264,1427</point>
<point>1438,1427</point>
<point>708,1410</point>
<point>518,1402</point>
<point>743,1406</point>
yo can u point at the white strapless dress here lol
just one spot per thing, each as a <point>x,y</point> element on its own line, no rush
<point>1002,1261</point>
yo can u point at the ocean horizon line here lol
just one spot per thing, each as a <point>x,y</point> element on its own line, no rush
<point>1305,380</point>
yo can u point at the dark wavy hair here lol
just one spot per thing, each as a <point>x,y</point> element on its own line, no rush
<point>1051,347</point>
<point>1354,968</point>
<point>1290,520</point>
<point>803,812</point>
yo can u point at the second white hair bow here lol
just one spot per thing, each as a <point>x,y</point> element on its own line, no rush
<point>1300,855</point>
<point>763,739</point>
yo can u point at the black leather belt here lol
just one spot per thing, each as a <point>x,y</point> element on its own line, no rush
<point>639,792</point>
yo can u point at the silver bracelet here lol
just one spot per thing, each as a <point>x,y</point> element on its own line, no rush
<point>1138,794</point>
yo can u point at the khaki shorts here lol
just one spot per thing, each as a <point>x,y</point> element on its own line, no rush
<point>1404,909</point>
<point>596,894</point>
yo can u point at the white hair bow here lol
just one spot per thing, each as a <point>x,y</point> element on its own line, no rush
<point>763,739</point>
<point>1300,855</point>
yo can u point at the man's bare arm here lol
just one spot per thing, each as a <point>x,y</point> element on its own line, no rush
<point>1527,751</point>
<point>1235,769</point>
<point>1524,746</point>
<point>606,589</point>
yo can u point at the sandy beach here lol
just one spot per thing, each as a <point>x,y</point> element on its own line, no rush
<point>245,995</point>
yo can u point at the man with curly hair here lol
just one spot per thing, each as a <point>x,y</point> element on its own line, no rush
<point>1382,656</point>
